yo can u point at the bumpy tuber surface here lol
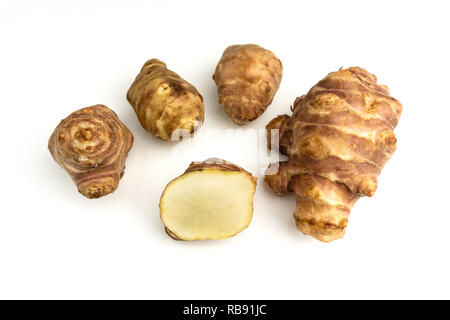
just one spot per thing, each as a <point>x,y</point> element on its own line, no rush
<point>167,106</point>
<point>91,144</point>
<point>338,139</point>
<point>247,77</point>
<point>211,200</point>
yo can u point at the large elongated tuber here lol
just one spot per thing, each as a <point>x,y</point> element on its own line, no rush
<point>247,77</point>
<point>338,139</point>
<point>91,144</point>
<point>167,106</point>
<point>211,200</point>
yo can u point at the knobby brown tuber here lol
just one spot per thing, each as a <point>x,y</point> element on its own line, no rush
<point>338,139</point>
<point>91,144</point>
<point>247,77</point>
<point>211,200</point>
<point>167,106</point>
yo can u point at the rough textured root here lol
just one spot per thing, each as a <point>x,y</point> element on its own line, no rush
<point>284,135</point>
<point>247,77</point>
<point>323,206</point>
<point>167,106</point>
<point>211,200</point>
<point>338,139</point>
<point>91,144</point>
<point>279,176</point>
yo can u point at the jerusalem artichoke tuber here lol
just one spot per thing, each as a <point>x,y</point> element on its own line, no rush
<point>338,139</point>
<point>247,77</point>
<point>91,144</point>
<point>167,106</point>
<point>211,200</point>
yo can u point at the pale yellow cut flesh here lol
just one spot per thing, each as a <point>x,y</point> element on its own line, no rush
<point>208,204</point>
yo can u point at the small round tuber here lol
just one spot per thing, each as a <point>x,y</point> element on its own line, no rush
<point>166,105</point>
<point>247,77</point>
<point>211,200</point>
<point>91,144</point>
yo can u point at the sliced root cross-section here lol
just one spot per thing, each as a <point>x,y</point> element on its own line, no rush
<point>211,200</point>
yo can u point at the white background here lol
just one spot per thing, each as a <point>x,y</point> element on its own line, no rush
<point>57,57</point>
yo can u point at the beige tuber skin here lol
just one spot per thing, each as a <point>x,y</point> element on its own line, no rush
<point>338,139</point>
<point>91,144</point>
<point>247,78</point>
<point>167,106</point>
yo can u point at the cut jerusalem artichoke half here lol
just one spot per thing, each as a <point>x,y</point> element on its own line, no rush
<point>212,200</point>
